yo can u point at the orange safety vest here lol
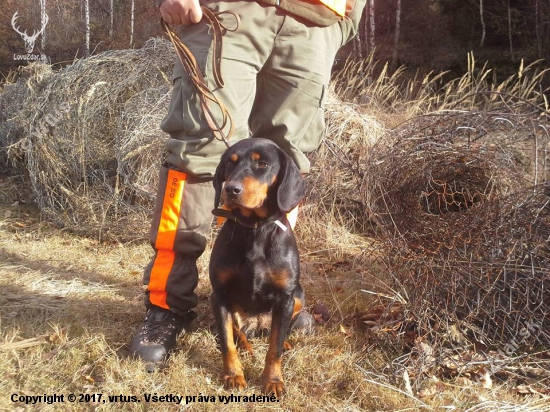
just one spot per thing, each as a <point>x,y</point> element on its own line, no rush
<point>320,12</point>
<point>338,6</point>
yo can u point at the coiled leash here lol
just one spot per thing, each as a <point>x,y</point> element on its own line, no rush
<point>190,65</point>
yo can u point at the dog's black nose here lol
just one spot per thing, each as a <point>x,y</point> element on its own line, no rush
<point>233,189</point>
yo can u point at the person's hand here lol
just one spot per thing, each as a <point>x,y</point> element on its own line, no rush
<point>181,12</point>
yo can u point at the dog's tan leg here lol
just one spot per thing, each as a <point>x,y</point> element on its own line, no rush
<point>242,340</point>
<point>272,376</point>
<point>233,374</point>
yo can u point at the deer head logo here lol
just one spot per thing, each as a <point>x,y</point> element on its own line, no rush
<point>29,40</point>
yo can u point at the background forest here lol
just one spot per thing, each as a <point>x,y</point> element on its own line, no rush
<point>419,34</point>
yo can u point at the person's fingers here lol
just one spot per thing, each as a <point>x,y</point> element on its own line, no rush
<point>181,12</point>
<point>195,14</point>
<point>166,17</point>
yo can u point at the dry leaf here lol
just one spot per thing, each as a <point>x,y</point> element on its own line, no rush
<point>89,378</point>
<point>321,313</point>
<point>487,382</point>
<point>428,392</point>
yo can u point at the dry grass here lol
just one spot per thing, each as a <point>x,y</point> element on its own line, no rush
<point>70,304</point>
<point>66,323</point>
<point>394,98</point>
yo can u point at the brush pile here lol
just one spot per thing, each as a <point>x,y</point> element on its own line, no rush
<point>462,201</point>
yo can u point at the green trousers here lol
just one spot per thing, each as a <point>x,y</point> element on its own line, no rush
<point>276,69</point>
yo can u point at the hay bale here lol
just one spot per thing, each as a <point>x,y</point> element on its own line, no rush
<point>462,201</point>
<point>139,144</point>
<point>82,129</point>
<point>14,125</point>
<point>92,145</point>
<point>337,170</point>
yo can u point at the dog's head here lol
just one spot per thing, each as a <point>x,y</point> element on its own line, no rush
<point>255,178</point>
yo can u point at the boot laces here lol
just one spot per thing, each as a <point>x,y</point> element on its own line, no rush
<point>159,331</point>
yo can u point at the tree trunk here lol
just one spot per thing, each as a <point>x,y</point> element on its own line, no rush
<point>482,19</point>
<point>397,33</point>
<point>538,28</point>
<point>87,24</point>
<point>112,16</point>
<point>372,25</point>
<point>42,24</point>
<point>357,47</point>
<point>510,30</point>
<point>132,23</point>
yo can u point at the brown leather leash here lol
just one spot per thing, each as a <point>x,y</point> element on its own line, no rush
<point>206,96</point>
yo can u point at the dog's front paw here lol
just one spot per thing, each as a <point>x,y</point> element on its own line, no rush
<point>274,386</point>
<point>234,382</point>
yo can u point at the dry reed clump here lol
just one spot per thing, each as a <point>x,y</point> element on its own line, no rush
<point>90,137</point>
<point>463,202</point>
<point>396,96</point>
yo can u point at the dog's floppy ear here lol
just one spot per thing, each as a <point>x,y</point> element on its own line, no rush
<point>291,185</point>
<point>219,178</point>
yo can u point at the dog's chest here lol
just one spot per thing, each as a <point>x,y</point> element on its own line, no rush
<point>257,269</point>
<point>264,272</point>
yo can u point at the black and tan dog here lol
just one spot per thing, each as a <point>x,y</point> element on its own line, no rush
<point>254,267</point>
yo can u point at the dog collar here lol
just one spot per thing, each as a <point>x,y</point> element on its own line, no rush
<point>227,214</point>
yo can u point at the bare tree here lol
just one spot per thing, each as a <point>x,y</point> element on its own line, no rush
<point>132,18</point>
<point>372,25</point>
<point>112,16</point>
<point>483,28</point>
<point>397,34</point>
<point>360,44</point>
<point>358,47</point>
<point>510,30</point>
<point>538,33</point>
<point>43,23</point>
<point>87,25</point>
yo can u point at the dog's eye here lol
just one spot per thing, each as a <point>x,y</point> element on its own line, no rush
<point>262,165</point>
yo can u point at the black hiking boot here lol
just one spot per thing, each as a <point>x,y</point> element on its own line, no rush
<point>157,335</point>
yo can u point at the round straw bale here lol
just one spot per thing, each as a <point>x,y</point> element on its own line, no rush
<point>14,125</point>
<point>139,145</point>
<point>337,171</point>
<point>83,130</point>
